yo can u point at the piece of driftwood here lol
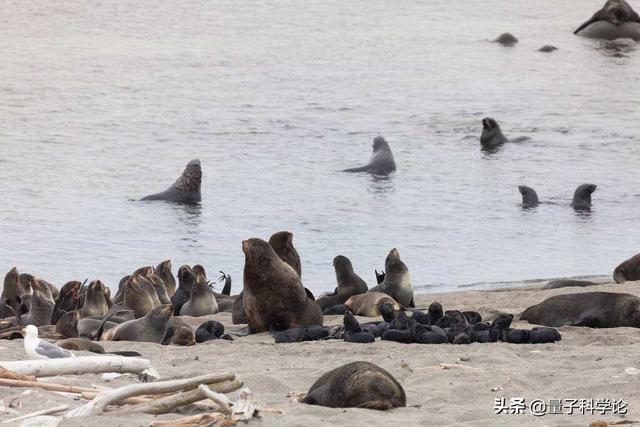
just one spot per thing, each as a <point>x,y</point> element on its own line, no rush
<point>90,395</point>
<point>5,373</point>
<point>49,411</point>
<point>200,420</point>
<point>78,365</point>
<point>169,403</point>
<point>109,397</point>
<point>45,386</point>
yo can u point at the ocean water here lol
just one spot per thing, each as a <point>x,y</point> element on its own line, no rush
<point>103,102</point>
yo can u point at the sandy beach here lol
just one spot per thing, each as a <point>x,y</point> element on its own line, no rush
<point>445,384</point>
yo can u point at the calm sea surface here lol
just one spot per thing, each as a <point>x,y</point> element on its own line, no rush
<point>103,102</point>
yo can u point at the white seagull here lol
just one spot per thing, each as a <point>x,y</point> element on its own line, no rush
<point>39,349</point>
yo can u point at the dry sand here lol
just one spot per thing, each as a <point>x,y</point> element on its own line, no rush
<point>587,363</point>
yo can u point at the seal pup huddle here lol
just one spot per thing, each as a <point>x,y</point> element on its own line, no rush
<point>186,189</point>
<point>381,161</point>
<point>615,20</point>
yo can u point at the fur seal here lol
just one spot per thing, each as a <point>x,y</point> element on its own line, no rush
<point>95,303</point>
<point>136,298</point>
<point>353,332</point>
<point>179,332</point>
<point>211,330</point>
<point>186,189</point>
<point>150,328</point>
<point>628,270</point>
<point>357,385</point>
<point>186,279</point>
<point>80,344</point>
<point>529,196</point>
<point>282,244</point>
<point>237,310</point>
<point>582,196</point>
<point>565,283</point>
<point>492,135</point>
<point>506,39</point>
<point>12,291</point>
<point>202,301</point>
<point>164,271</point>
<point>397,280</point>
<point>547,48</point>
<point>67,326</point>
<point>591,309</point>
<point>160,288</point>
<point>381,161</point>
<point>274,297</point>
<point>349,284</point>
<point>368,304</point>
<point>149,288</point>
<point>615,20</point>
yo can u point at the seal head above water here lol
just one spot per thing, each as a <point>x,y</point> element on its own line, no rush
<point>381,161</point>
<point>186,189</point>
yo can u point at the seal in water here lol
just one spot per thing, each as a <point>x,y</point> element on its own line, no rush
<point>506,39</point>
<point>547,48</point>
<point>274,297</point>
<point>529,196</point>
<point>582,196</point>
<point>628,270</point>
<point>164,271</point>
<point>282,243</point>
<point>349,284</point>
<point>397,280</point>
<point>186,189</point>
<point>491,136</point>
<point>202,301</point>
<point>150,328</point>
<point>357,385</point>
<point>369,304</point>
<point>615,20</point>
<point>381,161</point>
<point>591,309</point>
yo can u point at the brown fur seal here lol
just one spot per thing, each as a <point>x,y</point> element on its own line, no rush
<point>237,310</point>
<point>68,296</point>
<point>186,189</point>
<point>95,302</point>
<point>179,333</point>
<point>149,288</point>
<point>357,385</point>
<point>137,299</point>
<point>186,280</point>
<point>349,284</point>
<point>202,301</point>
<point>12,291</point>
<point>368,304</point>
<point>274,297</point>
<point>591,309</point>
<point>628,270</point>
<point>282,244</point>
<point>67,326</point>
<point>397,280</point>
<point>80,344</point>
<point>161,289</point>
<point>150,328</point>
<point>164,271</point>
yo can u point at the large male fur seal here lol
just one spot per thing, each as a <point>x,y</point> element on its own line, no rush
<point>397,280</point>
<point>186,189</point>
<point>381,161</point>
<point>615,20</point>
<point>628,270</point>
<point>274,297</point>
<point>582,196</point>
<point>357,385</point>
<point>591,309</point>
<point>370,303</point>
<point>349,284</point>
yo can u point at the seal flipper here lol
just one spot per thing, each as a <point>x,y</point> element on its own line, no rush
<point>309,294</point>
<point>593,19</point>
<point>360,169</point>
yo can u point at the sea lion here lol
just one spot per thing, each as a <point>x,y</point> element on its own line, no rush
<point>202,301</point>
<point>582,196</point>
<point>591,309</point>
<point>529,196</point>
<point>506,39</point>
<point>186,189</point>
<point>492,135</point>
<point>357,385</point>
<point>381,161</point>
<point>349,284</point>
<point>368,304</point>
<point>282,244</point>
<point>95,303</point>
<point>628,270</point>
<point>615,20</point>
<point>136,298</point>
<point>564,283</point>
<point>150,328</point>
<point>274,297</point>
<point>186,279</point>
<point>397,280</point>
<point>164,271</point>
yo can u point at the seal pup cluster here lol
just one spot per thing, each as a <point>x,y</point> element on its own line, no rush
<point>615,20</point>
<point>381,161</point>
<point>186,189</point>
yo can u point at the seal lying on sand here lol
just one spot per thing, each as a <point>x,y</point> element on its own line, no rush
<point>397,280</point>
<point>274,297</point>
<point>186,189</point>
<point>357,385</point>
<point>369,304</point>
<point>591,309</point>
<point>565,283</point>
<point>628,270</point>
<point>615,20</point>
<point>349,284</point>
<point>150,328</point>
<point>381,161</point>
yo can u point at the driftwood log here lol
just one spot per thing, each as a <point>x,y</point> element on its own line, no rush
<point>78,365</point>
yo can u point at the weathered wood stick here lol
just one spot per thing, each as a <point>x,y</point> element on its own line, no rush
<point>49,411</point>
<point>46,386</point>
<point>78,365</point>
<point>90,395</point>
<point>5,373</point>
<point>191,421</point>
<point>97,405</point>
